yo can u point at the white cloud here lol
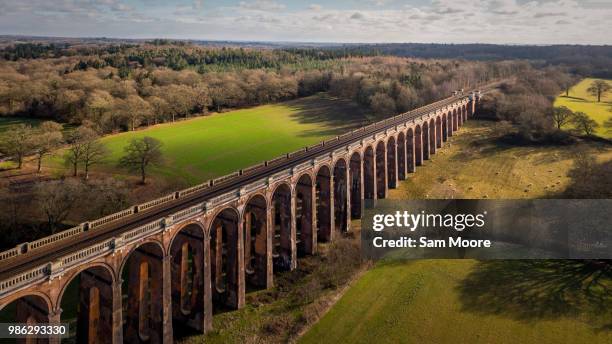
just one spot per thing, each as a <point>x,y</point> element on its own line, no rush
<point>457,21</point>
<point>262,5</point>
<point>197,4</point>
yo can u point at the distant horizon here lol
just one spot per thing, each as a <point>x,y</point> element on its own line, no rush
<point>119,38</point>
<point>501,22</point>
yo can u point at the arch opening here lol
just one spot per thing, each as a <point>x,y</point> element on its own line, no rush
<point>438,132</point>
<point>401,156</point>
<point>323,201</point>
<point>432,136</point>
<point>282,251</point>
<point>187,271</point>
<point>28,309</point>
<point>444,128</point>
<point>340,196</point>
<point>418,146</point>
<point>305,235</point>
<point>410,151</point>
<point>224,236</point>
<point>391,163</point>
<point>369,174</point>
<point>355,185</point>
<point>255,235</point>
<point>87,305</point>
<point>425,141</point>
<point>142,276</point>
<point>381,170</point>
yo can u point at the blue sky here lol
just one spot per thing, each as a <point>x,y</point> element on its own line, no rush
<point>441,21</point>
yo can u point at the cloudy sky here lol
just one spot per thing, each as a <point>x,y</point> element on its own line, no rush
<point>443,21</point>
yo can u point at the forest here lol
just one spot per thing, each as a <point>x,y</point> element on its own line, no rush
<point>123,87</point>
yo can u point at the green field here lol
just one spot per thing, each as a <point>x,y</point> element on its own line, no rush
<point>466,301</point>
<point>580,100</point>
<point>207,147</point>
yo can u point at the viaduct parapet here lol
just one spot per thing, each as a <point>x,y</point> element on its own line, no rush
<point>188,255</point>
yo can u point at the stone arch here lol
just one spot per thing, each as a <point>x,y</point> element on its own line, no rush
<point>438,132</point>
<point>418,146</point>
<point>381,170</point>
<point>225,243</point>
<point>432,136</point>
<point>464,112</point>
<point>283,236</point>
<point>401,156</point>
<point>256,234</point>
<point>127,256</point>
<point>455,120</point>
<point>425,140</point>
<point>356,186</point>
<point>369,173</point>
<point>340,196</point>
<point>92,286</point>
<point>323,196</point>
<point>410,150</point>
<point>31,308</point>
<point>142,274</point>
<point>391,163</point>
<point>304,213</point>
<point>444,127</point>
<point>189,294</point>
<point>48,302</point>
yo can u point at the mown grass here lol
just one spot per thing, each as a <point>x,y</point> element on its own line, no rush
<point>467,301</point>
<point>206,147</point>
<point>581,100</point>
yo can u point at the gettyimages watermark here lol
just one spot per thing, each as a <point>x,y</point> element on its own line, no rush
<point>487,229</point>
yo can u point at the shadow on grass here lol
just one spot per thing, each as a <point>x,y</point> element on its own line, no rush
<point>338,116</point>
<point>528,290</point>
<point>574,98</point>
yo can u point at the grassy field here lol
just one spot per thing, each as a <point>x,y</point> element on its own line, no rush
<point>467,301</point>
<point>580,100</point>
<point>207,147</point>
<point>479,164</point>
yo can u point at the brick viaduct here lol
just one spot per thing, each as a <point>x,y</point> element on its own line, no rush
<point>184,257</point>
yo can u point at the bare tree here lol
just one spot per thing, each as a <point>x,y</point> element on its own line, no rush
<point>17,143</point>
<point>584,123</point>
<point>599,88</point>
<point>94,153</point>
<point>382,104</point>
<point>46,138</point>
<point>561,116</point>
<point>85,148</point>
<point>133,110</point>
<point>140,154</point>
<point>56,199</point>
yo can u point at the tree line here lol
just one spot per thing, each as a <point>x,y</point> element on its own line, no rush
<point>528,102</point>
<point>120,99</point>
<point>83,148</point>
